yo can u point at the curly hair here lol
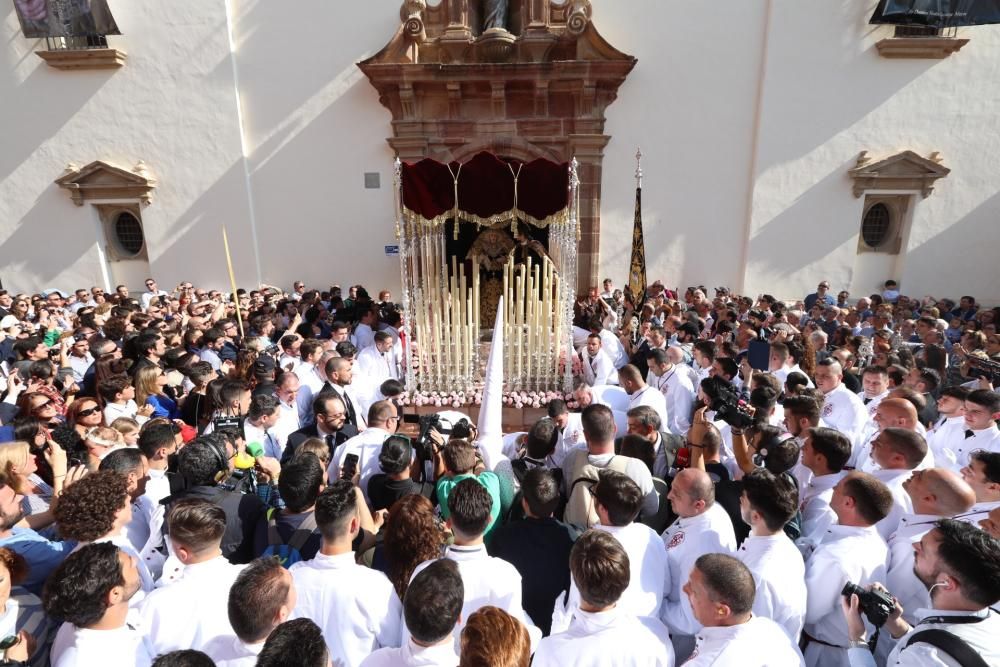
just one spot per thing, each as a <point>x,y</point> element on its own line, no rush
<point>86,510</point>
<point>412,535</point>
<point>77,591</point>
<point>493,638</point>
<point>16,566</point>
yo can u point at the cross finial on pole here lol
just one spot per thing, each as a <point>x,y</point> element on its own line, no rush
<point>638,167</point>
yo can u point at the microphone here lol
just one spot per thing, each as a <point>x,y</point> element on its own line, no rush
<point>245,460</point>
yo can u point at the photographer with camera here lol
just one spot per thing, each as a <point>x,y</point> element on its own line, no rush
<point>960,567</point>
<point>851,552</point>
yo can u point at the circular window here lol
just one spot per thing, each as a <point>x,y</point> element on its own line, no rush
<point>876,225</point>
<point>128,233</point>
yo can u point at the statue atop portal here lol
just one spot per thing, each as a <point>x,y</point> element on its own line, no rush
<point>495,14</point>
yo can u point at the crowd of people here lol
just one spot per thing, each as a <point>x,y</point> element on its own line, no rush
<point>194,478</point>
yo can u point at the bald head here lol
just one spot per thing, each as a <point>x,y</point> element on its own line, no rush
<point>896,413</point>
<point>630,375</point>
<point>691,493</point>
<point>939,492</point>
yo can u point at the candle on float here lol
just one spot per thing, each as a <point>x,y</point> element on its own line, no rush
<point>519,334</point>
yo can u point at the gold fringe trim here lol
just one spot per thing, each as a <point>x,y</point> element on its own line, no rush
<point>558,218</point>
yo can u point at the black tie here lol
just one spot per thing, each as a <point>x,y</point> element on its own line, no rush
<point>969,433</point>
<point>867,401</point>
<point>331,443</point>
<point>351,417</point>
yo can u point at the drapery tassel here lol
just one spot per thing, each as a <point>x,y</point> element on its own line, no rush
<point>513,220</point>
<point>454,176</point>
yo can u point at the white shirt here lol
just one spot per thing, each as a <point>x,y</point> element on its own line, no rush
<point>872,402</point>
<point>487,581</point>
<point>981,636</point>
<point>366,445</point>
<point>122,647</point>
<point>288,422</point>
<point>233,652</point>
<point>363,336</point>
<point>783,373</point>
<point>376,366</point>
<point>649,578</point>
<point>610,638</point>
<point>356,606</point>
<point>901,502</point>
<point>780,573</point>
<point>955,447</point>
<point>212,357</point>
<point>192,611</point>
<point>149,296</point>
<point>687,539</point>
<point>310,383</point>
<point>268,439</point>
<point>137,530</point>
<point>844,411</point>
<point>759,642</point>
<point>569,437</point>
<point>412,655</point>
<point>678,393</point>
<point>599,369</point>
<point>614,348</point>
<point>79,366</point>
<point>113,411</point>
<point>654,399</point>
<point>157,486</point>
<point>815,504</point>
<point>289,361</point>
<point>900,580</point>
<point>942,432</point>
<point>846,554</point>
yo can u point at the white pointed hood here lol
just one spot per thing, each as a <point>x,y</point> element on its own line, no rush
<point>491,412</point>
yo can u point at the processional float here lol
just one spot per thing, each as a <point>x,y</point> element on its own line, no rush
<point>471,233</point>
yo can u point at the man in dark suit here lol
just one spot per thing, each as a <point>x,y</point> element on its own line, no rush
<point>656,339</point>
<point>341,374</point>
<point>329,423</point>
<point>645,423</point>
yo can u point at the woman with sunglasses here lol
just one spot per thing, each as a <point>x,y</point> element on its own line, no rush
<point>150,383</point>
<point>82,415</point>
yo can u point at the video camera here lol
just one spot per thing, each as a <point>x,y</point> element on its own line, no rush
<point>726,402</point>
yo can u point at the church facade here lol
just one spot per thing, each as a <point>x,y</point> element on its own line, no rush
<point>783,141</point>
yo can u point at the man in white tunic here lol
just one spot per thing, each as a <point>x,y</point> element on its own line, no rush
<point>311,378</point>
<point>677,390</point>
<point>432,606</point>
<point>851,551</point>
<point>892,412</point>
<point>598,368</point>
<point>601,634</point>
<point>982,410</point>
<point>721,592</point>
<point>191,612</point>
<point>842,409</point>
<point>382,422</point>
<point>702,527</point>
<point>951,417</point>
<point>617,500</point>
<point>90,592</point>
<point>486,580</point>
<point>378,362</point>
<point>824,454</point>
<point>875,388</point>
<point>262,598</point>
<point>356,606</point>
<point>983,475</point>
<point>767,504</point>
<point>570,427</point>
<point>896,453</point>
<point>962,572</point>
<point>640,393</point>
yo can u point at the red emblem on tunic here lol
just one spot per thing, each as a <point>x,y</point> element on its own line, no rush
<point>676,540</point>
<point>827,410</point>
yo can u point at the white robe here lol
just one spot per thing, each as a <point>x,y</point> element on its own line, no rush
<point>356,607</point>
<point>122,647</point>
<point>846,554</point>
<point>815,505</point>
<point>760,642</point>
<point>412,655</point>
<point>653,398</point>
<point>366,446</point>
<point>607,639</point>
<point>233,652</point>
<point>844,411</point>
<point>687,539</point>
<point>599,369</point>
<point>376,366</point>
<point>901,502</point>
<point>650,573</point>
<point>900,580</point>
<point>780,573</point>
<point>955,447</point>
<point>981,636</point>
<point>487,581</point>
<point>569,437</point>
<point>192,611</point>
<point>679,394</point>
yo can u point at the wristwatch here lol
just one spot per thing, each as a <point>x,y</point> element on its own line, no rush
<point>858,643</point>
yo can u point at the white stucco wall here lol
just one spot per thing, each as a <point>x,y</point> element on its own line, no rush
<point>719,185</point>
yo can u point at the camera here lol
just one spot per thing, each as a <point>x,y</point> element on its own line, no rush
<point>726,403</point>
<point>423,445</point>
<point>876,604</point>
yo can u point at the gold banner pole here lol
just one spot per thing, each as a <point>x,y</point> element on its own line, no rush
<point>232,281</point>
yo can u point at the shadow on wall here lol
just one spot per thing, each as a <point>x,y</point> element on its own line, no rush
<point>53,235</point>
<point>30,117</point>
<point>959,260</point>
<point>795,240</point>
<point>815,94</point>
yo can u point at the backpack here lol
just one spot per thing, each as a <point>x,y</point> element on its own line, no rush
<point>584,474</point>
<point>288,553</point>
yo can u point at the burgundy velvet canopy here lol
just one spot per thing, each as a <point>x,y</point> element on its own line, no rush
<point>486,187</point>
